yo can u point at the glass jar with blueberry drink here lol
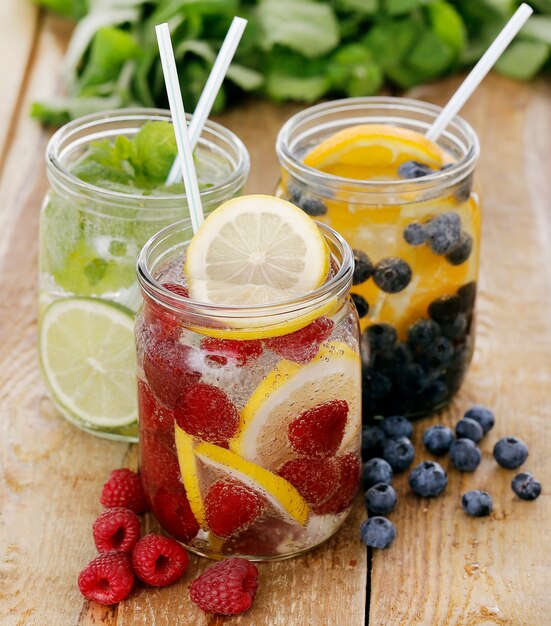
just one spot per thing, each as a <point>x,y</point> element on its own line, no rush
<point>407,207</point>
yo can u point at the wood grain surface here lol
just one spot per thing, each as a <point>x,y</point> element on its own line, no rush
<point>444,568</point>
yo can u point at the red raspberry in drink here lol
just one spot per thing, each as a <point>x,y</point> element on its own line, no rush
<point>319,430</point>
<point>302,345</point>
<point>158,462</point>
<point>230,352</point>
<point>315,479</point>
<point>172,510</point>
<point>349,478</point>
<point>154,416</point>
<point>231,506</point>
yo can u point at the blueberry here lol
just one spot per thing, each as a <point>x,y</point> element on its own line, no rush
<point>414,169</point>
<point>526,486</point>
<point>444,309</point>
<point>438,439</point>
<point>411,378</point>
<point>441,352</point>
<point>399,453</point>
<point>477,503</point>
<point>363,268</point>
<point>377,532</point>
<point>415,234</point>
<point>361,304</point>
<point>375,384</point>
<point>380,499</point>
<point>467,295</point>
<point>482,415</point>
<point>396,426</point>
<point>392,275</point>
<point>428,479</point>
<point>295,193</point>
<point>468,428</point>
<point>372,441</point>
<point>462,251</point>
<point>465,455</point>
<point>376,471</point>
<point>455,329</point>
<point>423,333</point>
<point>312,206</point>
<point>444,232</point>
<point>510,452</point>
<point>464,191</point>
<point>435,393</point>
<point>381,337</point>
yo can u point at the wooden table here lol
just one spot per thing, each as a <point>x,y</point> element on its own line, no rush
<point>444,568</point>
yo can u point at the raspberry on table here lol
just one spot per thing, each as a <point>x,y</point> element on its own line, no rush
<point>376,471</point>
<point>124,489</point>
<point>468,428</point>
<point>315,479</point>
<point>465,455</point>
<point>510,452</point>
<point>116,529</point>
<point>302,345</point>
<point>477,503</point>
<point>438,439</point>
<point>230,352</point>
<point>107,579</point>
<point>226,588</point>
<point>172,510</point>
<point>205,411</point>
<point>399,453</point>
<point>377,532</point>
<point>526,486</point>
<point>231,507</point>
<point>482,415</point>
<point>428,479</point>
<point>319,431</point>
<point>159,561</point>
<point>392,275</point>
<point>349,469</point>
<point>395,426</point>
<point>380,499</point>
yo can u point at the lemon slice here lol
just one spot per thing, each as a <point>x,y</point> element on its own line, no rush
<point>278,491</point>
<point>256,250</point>
<point>370,151</point>
<point>188,469</point>
<point>88,358</point>
<point>288,390</point>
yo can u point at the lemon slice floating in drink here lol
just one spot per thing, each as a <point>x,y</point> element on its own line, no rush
<point>88,357</point>
<point>290,389</point>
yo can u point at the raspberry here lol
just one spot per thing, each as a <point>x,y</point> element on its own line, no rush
<point>161,322</point>
<point>153,415</point>
<point>315,479</point>
<point>124,489</point>
<point>168,369</point>
<point>107,579</point>
<point>318,431</point>
<point>302,345</point>
<point>349,466</point>
<point>227,351</point>
<point>159,561</point>
<point>159,465</point>
<point>116,529</point>
<point>206,412</point>
<point>179,290</point>
<point>226,588</point>
<point>172,510</point>
<point>231,507</point>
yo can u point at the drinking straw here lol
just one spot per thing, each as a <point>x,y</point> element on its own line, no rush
<point>479,71</point>
<point>211,89</point>
<point>180,126</point>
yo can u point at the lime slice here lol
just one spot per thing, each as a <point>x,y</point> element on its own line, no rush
<point>256,250</point>
<point>288,390</point>
<point>88,358</point>
<point>278,491</point>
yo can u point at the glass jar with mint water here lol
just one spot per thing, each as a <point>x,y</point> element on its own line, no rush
<point>107,197</point>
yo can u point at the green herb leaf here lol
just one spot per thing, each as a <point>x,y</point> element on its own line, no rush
<point>523,59</point>
<point>390,42</point>
<point>446,22</point>
<point>155,150</point>
<point>353,70</point>
<point>399,7</point>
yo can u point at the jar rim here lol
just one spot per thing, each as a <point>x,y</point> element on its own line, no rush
<point>311,176</point>
<point>336,287</point>
<point>130,114</point>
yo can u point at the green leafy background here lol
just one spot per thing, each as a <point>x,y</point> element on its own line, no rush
<point>291,50</point>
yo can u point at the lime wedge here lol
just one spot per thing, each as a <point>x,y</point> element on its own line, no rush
<point>88,359</point>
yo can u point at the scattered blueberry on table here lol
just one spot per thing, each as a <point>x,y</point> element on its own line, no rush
<point>376,471</point>
<point>438,439</point>
<point>428,479</point>
<point>526,486</point>
<point>482,415</point>
<point>465,455</point>
<point>380,499</point>
<point>477,503</point>
<point>468,428</point>
<point>510,452</point>
<point>377,532</point>
<point>396,426</point>
<point>399,453</point>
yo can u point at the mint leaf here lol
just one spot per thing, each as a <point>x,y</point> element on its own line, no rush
<point>446,22</point>
<point>304,26</point>
<point>353,70</point>
<point>365,7</point>
<point>244,77</point>
<point>67,8</point>
<point>390,42</point>
<point>523,59</point>
<point>430,56</point>
<point>538,27</point>
<point>282,86</point>
<point>154,152</point>
<point>399,7</point>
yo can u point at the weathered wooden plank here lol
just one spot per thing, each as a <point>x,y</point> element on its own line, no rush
<point>446,568</point>
<point>19,30</point>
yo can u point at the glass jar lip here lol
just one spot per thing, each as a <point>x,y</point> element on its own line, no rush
<point>337,285</point>
<point>53,161</point>
<point>452,174</point>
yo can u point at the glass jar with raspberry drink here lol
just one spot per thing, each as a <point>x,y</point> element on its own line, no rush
<point>249,381</point>
<point>407,207</point>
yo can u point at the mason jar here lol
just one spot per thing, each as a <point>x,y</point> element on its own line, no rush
<point>90,237</point>
<point>415,295</point>
<point>249,416</point>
